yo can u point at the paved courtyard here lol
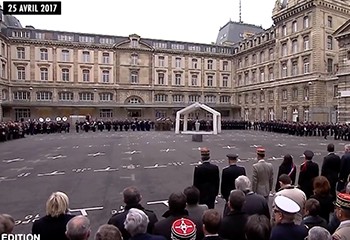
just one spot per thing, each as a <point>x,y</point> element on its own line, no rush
<point>94,168</point>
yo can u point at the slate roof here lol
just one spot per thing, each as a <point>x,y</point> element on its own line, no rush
<point>9,20</point>
<point>233,32</point>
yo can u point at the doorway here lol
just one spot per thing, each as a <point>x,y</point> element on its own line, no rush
<point>134,113</point>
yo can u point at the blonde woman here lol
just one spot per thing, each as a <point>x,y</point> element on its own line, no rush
<point>53,225</point>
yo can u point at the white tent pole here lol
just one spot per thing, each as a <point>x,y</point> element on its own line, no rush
<point>185,122</point>
<point>177,123</point>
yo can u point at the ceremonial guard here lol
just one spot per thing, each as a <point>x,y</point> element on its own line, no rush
<point>342,211</point>
<point>262,175</point>
<point>284,210</point>
<point>308,171</point>
<point>207,179</point>
<point>229,175</point>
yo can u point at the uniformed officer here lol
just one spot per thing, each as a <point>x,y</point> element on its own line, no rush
<point>284,210</point>
<point>207,179</point>
<point>308,171</point>
<point>229,175</point>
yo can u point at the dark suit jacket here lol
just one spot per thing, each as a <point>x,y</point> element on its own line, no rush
<point>119,218</point>
<point>288,231</point>
<point>207,179</point>
<point>344,171</point>
<point>147,236</point>
<point>256,204</point>
<point>232,226</point>
<point>283,169</point>
<point>52,228</point>
<point>330,169</point>
<point>306,177</point>
<point>229,175</point>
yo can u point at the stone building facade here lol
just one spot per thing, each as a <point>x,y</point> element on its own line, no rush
<point>343,37</point>
<point>287,72</point>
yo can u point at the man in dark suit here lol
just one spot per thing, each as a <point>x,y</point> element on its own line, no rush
<point>228,177</point>
<point>344,169</point>
<point>207,179</point>
<point>232,225</point>
<point>331,168</point>
<point>308,171</point>
<point>211,224</point>
<point>132,199</point>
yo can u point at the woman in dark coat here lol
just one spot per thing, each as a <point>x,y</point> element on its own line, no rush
<point>53,225</point>
<point>287,167</point>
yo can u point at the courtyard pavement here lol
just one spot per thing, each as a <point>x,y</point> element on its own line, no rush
<point>94,168</point>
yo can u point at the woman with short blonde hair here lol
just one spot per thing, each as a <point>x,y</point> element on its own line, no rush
<point>53,225</point>
<point>57,204</point>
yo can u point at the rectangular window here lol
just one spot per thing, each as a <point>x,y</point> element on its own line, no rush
<point>284,49</point>
<point>86,56</point>
<point>178,62</point>
<point>284,95</point>
<point>210,81</point>
<point>194,63</point>
<point>21,53</point>
<point>329,22</point>
<point>284,70</point>
<point>306,43</point>
<point>22,113</point>
<point>65,75</point>
<point>306,66</point>
<point>160,61</point>
<point>295,46</point>
<point>44,74</point>
<point>134,77</point>
<point>210,64</point>
<point>105,58</point>
<point>284,114</point>
<point>178,98</point>
<point>194,80</point>
<point>330,43</point>
<point>306,22</point>
<point>86,75</point>
<point>330,65</point>
<point>225,81</point>
<point>21,73</point>
<point>105,76</point>
<point>284,31</point>
<point>177,79</point>
<point>106,113</point>
<point>294,68</point>
<point>225,66</point>
<point>65,96</point>
<point>295,26</point>
<point>161,80</point>
<point>65,55</point>
<point>44,56</point>
<point>134,59</point>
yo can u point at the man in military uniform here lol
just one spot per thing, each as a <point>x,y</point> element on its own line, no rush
<point>207,179</point>
<point>228,177</point>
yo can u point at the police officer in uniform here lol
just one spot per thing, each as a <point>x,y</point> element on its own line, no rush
<point>228,177</point>
<point>207,179</point>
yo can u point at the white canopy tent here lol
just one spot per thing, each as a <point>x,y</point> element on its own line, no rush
<point>185,111</point>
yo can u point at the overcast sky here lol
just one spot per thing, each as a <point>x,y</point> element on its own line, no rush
<point>183,20</point>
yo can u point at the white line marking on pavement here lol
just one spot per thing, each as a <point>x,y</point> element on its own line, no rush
<point>155,166</point>
<point>107,169</point>
<point>13,160</point>
<point>54,173</point>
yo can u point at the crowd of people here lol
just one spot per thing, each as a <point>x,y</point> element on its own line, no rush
<point>314,207</point>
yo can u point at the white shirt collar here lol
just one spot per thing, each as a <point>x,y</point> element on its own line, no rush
<point>211,235</point>
<point>261,160</point>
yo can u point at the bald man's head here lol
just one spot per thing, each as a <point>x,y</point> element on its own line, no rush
<point>78,228</point>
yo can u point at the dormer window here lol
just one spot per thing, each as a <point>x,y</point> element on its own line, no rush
<point>134,43</point>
